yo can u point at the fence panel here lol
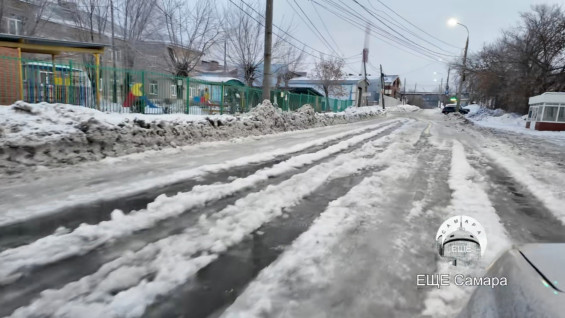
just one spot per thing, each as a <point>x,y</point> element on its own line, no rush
<point>124,90</point>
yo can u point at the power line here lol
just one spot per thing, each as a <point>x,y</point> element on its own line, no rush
<point>392,21</point>
<point>320,35</point>
<point>412,24</point>
<point>385,33</point>
<point>325,27</point>
<point>401,35</point>
<point>344,13</point>
<point>260,23</point>
<point>283,31</point>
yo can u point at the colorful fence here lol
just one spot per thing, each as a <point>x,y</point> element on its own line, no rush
<point>139,91</point>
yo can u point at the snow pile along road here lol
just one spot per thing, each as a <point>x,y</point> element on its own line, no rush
<point>499,119</point>
<point>58,134</point>
<point>496,116</point>
<point>402,109</point>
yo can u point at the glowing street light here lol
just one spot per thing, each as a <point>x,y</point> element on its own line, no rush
<point>454,22</point>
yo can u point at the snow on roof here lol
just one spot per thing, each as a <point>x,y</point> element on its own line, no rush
<point>548,97</point>
<point>349,79</point>
<point>353,79</point>
<point>390,78</point>
<point>219,79</point>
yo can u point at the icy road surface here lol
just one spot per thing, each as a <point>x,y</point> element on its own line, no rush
<point>327,222</point>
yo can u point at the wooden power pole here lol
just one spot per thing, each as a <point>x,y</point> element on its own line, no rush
<point>268,44</point>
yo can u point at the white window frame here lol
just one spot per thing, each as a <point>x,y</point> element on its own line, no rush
<point>153,89</point>
<point>540,113</point>
<point>173,90</point>
<point>534,113</point>
<point>118,54</point>
<point>561,111</point>
<point>18,25</point>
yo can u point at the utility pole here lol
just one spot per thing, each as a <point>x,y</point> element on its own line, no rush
<point>439,92</point>
<point>415,85</point>
<point>225,56</point>
<point>404,94</point>
<point>382,86</point>
<point>405,83</point>
<point>463,70</point>
<point>365,92</point>
<point>447,82</point>
<point>114,85</point>
<point>268,44</point>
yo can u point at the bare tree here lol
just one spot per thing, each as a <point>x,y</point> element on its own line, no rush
<point>244,33</point>
<point>329,74</point>
<point>527,60</point>
<point>37,16</point>
<point>291,58</point>
<point>135,18</point>
<point>90,18</point>
<point>192,28</point>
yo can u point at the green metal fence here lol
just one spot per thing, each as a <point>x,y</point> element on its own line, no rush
<point>138,91</point>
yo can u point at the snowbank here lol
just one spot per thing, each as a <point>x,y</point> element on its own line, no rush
<point>58,134</point>
<point>473,108</point>
<point>499,119</point>
<point>478,113</point>
<point>402,109</point>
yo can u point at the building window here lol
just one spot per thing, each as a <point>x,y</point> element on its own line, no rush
<point>550,113</point>
<point>153,89</point>
<point>173,90</point>
<point>561,115</point>
<point>534,112</point>
<point>118,54</point>
<point>14,26</point>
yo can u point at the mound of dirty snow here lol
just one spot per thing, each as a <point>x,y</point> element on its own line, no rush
<point>58,134</point>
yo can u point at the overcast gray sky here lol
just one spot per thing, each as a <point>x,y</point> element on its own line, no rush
<point>484,18</point>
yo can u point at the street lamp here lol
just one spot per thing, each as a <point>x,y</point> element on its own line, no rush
<point>453,22</point>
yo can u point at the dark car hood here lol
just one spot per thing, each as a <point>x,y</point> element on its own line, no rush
<point>549,261</point>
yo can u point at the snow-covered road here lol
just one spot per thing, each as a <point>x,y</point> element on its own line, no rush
<point>328,222</point>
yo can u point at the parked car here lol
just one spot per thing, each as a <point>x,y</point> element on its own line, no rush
<point>450,108</point>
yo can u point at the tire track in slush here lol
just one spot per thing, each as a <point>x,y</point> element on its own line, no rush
<point>217,285</point>
<point>368,273</point>
<point>525,218</point>
<point>56,275</point>
<point>25,232</point>
<point>75,295</point>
